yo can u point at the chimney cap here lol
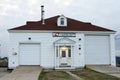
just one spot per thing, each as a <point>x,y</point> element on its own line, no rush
<point>42,15</point>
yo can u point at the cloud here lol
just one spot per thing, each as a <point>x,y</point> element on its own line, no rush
<point>63,3</point>
<point>8,8</point>
<point>18,7</point>
<point>32,2</point>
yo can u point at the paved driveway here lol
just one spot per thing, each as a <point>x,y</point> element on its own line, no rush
<point>3,72</point>
<point>24,73</point>
<point>114,71</point>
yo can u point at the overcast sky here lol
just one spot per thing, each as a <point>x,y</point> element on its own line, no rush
<point>104,13</point>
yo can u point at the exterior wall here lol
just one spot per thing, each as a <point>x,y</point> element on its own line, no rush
<point>112,49</point>
<point>80,53</point>
<point>46,41</point>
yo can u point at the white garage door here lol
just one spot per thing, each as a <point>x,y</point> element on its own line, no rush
<point>97,50</point>
<point>29,54</point>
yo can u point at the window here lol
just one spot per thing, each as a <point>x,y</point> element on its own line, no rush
<point>63,54</point>
<point>57,51</point>
<point>62,21</point>
<point>69,53</point>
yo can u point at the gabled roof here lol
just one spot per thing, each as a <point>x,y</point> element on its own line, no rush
<point>64,40</point>
<point>51,24</point>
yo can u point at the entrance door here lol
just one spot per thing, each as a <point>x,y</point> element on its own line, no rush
<point>64,56</point>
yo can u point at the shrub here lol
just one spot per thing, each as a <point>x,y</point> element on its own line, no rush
<point>4,62</point>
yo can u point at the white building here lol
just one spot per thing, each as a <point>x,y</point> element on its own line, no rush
<point>60,42</point>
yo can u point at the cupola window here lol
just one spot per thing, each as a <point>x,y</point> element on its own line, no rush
<point>62,21</point>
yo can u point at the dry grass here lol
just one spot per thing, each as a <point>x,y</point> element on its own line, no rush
<point>55,75</point>
<point>87,74</point>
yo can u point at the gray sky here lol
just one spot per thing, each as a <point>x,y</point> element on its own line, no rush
<point>104,13</point>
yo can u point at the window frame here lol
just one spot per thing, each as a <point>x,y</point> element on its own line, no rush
<point>62,21</point>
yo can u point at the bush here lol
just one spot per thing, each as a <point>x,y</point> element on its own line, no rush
<point>4,62</point>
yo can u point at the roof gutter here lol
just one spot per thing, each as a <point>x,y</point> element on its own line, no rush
<point>49,31</point>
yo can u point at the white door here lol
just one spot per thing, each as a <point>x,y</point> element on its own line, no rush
<point>97,50</point>
<point>64,56</point>
<point>29,54</point>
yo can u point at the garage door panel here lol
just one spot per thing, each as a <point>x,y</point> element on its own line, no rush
<point>97,50</point>
<point>29,54</point>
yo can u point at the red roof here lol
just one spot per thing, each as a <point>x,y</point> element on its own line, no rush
<point>51,24</point>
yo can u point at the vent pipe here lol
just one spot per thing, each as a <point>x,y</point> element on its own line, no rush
<point>42,15</point>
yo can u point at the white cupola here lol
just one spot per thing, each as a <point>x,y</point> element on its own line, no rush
<point>62,21</point>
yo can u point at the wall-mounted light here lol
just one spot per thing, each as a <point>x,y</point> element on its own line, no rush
<point>14,53</point>
<point>79,39</point>
<point>29,38</point>
<point>79,47</point>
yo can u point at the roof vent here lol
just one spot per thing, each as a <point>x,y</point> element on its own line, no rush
<point>42,15</point>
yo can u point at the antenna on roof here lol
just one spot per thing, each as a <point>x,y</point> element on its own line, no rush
<point>42,14</point>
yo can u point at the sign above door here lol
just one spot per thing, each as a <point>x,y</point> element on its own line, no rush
<point>63,34</point>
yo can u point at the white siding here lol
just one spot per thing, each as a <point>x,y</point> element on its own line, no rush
<point>79,54</point>
<point>47,47</point>
<point>47,53</point>
<point>97,50</point>
<point>94,49</point>
<point>112,50</point>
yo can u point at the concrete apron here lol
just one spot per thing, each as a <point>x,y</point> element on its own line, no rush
<point>110,70</point>
<point>24,73</point>
<point>3,72</point>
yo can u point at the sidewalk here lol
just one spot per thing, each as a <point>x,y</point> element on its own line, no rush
<point>73,75</point>
<point>110,70</point>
